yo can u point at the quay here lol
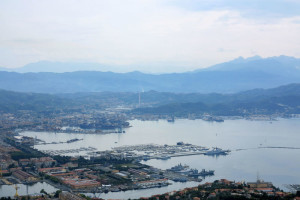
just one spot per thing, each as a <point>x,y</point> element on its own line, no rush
<point>67,151</point>
<point>164,152</point>
<point>162,156</point>
<point>67,142</point>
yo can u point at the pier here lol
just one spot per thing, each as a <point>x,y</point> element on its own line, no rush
<point>178,154</point>
<point>67,151</point>
<point>67,142</point>
<point>164,152</point>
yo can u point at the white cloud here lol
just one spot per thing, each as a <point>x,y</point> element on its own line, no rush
<point>132,32</point>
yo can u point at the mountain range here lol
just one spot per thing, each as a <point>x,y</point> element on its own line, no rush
<point>229,77</point>
<point>59,67</point>
<point>283,100</point>
<point>280,100</point>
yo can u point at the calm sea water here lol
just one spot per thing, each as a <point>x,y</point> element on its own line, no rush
<point>278,165</point>
<point>10,191</point>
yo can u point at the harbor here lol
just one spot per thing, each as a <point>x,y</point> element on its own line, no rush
<point>140,152</point>
<point>183,173</point>
<point>40,142</point>
<point>165,152</point>
<point>88,150</point>
<point>149,142</point>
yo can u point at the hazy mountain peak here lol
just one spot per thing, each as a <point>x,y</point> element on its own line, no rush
<point>276,64</point>
<point>242,59</point>
<point>60,67</point>
<point>239,63</point>
<point>256,57</point>
<point>248,73</point>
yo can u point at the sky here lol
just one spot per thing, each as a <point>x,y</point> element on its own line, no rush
<point>147,35</point>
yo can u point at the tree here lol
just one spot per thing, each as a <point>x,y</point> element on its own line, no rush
<point>56,195</point>
<point>43,191</point>
<point>12,165</point>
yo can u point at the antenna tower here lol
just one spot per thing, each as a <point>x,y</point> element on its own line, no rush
<point>139,99</point>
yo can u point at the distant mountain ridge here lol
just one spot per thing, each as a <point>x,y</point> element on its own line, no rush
<point>230,77</point>
<point>283,100</point>
<point>59,67</point>
<point>279,101</point>
<point>251,63</point>
<point>273,65</point>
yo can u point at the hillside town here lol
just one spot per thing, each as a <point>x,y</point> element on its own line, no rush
<point>91,121</point>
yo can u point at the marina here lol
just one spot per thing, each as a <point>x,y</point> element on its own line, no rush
<point>161,152</point>
<point>231,134</point>
<point>68,151</point>
<point>144,151</point>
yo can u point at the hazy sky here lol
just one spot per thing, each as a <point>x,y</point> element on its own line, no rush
<point>147,35</point>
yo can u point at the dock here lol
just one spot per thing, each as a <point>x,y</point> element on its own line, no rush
<point>165,152</point>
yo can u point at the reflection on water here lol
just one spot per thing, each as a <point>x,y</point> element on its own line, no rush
<point>243,137</point>
<point>9,190</point>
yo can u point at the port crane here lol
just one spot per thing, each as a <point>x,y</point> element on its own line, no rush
<point>16,188</point>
